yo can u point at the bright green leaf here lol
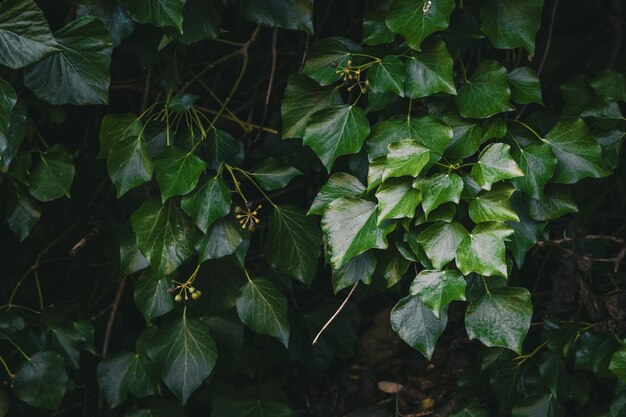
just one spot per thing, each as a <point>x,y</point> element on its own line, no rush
<point>115,128</point>
<point>493,205</point>
<point>129,164</point>
<point>495,164</point>
<point>556,202</point>
<point>438,288</point>
<point>338,185</point>
<point>440,241</point>
<point>485,93</point>
<point>208,203</point>
<point>482,251</point>
<point>397,199</point>
<point>429,72</point>
<point>405,158</point>
<point>439,189</point>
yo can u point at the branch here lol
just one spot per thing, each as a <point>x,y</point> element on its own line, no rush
<point>330,320</point>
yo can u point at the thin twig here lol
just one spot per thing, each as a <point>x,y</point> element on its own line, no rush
<point>330,320</point>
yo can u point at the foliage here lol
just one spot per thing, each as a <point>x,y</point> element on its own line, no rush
<point>184,181</point>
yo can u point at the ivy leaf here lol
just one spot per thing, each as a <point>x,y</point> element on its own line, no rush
<point>429,72</point>
<point>359,268</point>
<point>493,205</point>
<point>397,199</point>
<point>525,86</point>
<point>286,14</point>
<point>116,127</point>
<point>336,131</point>
<point>22,214</point>
<point>338,185</point>
<point>201,20</point>
<point>437,289</point>
<point>25,36</point>
<point>470,411</point>
<point>220,147</point>
<point>126,373</point>
<point>511,24</point>
<point>263,308</point>
<point>485,93</point>
<point>273,175</point>
<point>160,13</point>
<point>326,56</point>
<point>405,158</point>
<point>152,297</point>
<point>350,226</point>
<point>8,99</point>
<point>594,351</point>
<point>495,164</point>
<point>208,203</point>
<point>131,259</point>
<point>579,155</point>
<point>556,202</point>
<point>116,19</point>
<point>129,164</point>
<point>222,239</point>
<point>543,406</point>
<point>440,241</point>
<point>41,381</point>
<point>294,242</point>
<point>186,354</point>
<point>387,76</point>
<point>501,317</point>
<point>223,406</point>
<point>527,231</point>
<point>304,97</point>
<point>415,21</point>
<point>375,30</point>
<point>54,175</point>
<point>164,235</point>
<point>79,72</point>
<point>177,172</point>
<point>610,85</point>
<point>538,163</point>
<point>417,325</point>
<point>67,339</point>
<point>439,189</point>
<point>482,251</point>
<point>466,137</point>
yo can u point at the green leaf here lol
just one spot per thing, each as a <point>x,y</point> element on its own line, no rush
<point>538,163</point>
<point>222,239</point>
<point>272,174</point>
<point>338,185</point>
<point>501,317</point>
<point>152,297</point>
<point>79,72</point>
<point>116,19</point>
<point>25,37</point>
<point>594,351</point>
<point>437,289</point>
<point>220,147</point>
<point>115,128</point>
<point>126,373</point>
<point>482,251</point>
<point>294,242</point>
<point>387,76</point>
<point>375,30</point>
<point>54,175</point>
<point>286,14</point>
<point>68,340</point>
<point>22,214</point>
<point>495,164</point>
<point>579,155</point>
<point>440,241</point>
<point>416,19</point>
<point>493,205</point>
<point>394,266</point>
<point>223,406</point>
<point>164,235</point>
<point>557,202</point>
<point>405,158</point>
<point>439,189</point>
<point>485,93</point>
<point>8,99</point>
<point>429,72</point>
<point>160,13</point>
<point>41,381</point>
<point>201,20</point>
<point>326,56</point>
<point>177,172</point>
<point>182,102</point>
<point>527,231</point>
<point>397,199</point>
<point>350,226</point>
<point>610,84</point>
<point>208,203</point>
<point>511,24</point>
<point>263,308</point>
<point>131,259</point>
<point>618,364</point>
<point>129,164</point>
<point>186,354</point>
<point>359,268</point>
<point>466,137</point>
<point>336,131</point>
<point>304,97</point>
<point>545,406</point>
<point>417,325</point>
<point>470,411</point>
<point>525,86</point>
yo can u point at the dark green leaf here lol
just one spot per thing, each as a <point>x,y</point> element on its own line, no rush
<point>294,242</point>
<point>115,128</point>
<point>160,13</point>
<point>273,174</point>
<point>8,99</point>
<point>286,14</point>
<point>525,86</point>
<point>387,76</point>
<point>25,37</point>
<point>263,308</point>
<point>336,131</point>
<point>546,406</point>
<point>117,21</point>
<point>375,30</point>
<point>359,268</point>
<point>182,102</point>
<point>482,251</point>
<point>79,72</point>
<point>511,24</point>
<point>220,147</point>
<point>593,352</point>
<point>326,57</point>
<point>201,20</point>
<point>152,297</point>
<point>416,19</point>
<point>429,72</point>
<point>397,199</point>
<point>222,239</point>
<point>493,205</point>
<point>68,340</point>
<point>618,364</point>
<point>340,184</point>
<point>501,317</point>
<point>438,288</point>
<point>22,214</point>
<point>208,203</point>
<point>538,163</point>
<point>41,381</point>
<point>440,242</point>
<point>164,235</point>
<point>54,175</point>
<point>610,85</point>
<point>241,407</point>
<point>131,259</point>
<point>417,325</point>
<point>470,411</point>
<point>527,231</point>
<point>495,164</point>
<point>405,158</point>
<point>126,373</point>
<point>485,93</point>
<point>177,172</point>
<point>557,202</point>
<point>129,164</point>
<point>439,189</point>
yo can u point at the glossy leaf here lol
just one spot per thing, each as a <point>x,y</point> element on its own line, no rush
<point>440,241</point>
<point>177,172</point>
<point>429,72</point>
<point>556,202</point>
<point>485,93</point>
<point>387,76</point>
<point>54,175</point>
<point>220,147</point>
<point>397,199</point>
<point>414,20</point>
<point>287,14</point>
<point>405,158</point>
<point>326,57</point>
<point>160,13</point>
<point>22,214</point>
<point>126,373</point>
<point>201,20</point>
<point>222,239</point>
<point>115,18</point>
<point>338,185</point>
<point>8,99</point>
<point>495,164</point>
<point>208,203</point>
<point>525,86</point>
<point>359,268</point>
<point>482,251</point>
<point>263,308</point>
<point>129,164</point>
<point>493,205</point>
<point>538,163</point>
<point>41,381</point>
<point>511,24</point>
<point>273,175</point>
<point>375,30</point>
<point>152,296</point>
<point>115,128</point>
<point>439,189</point>
<point>438,288</point>
<point>618,364</point>
<point>501,317</point>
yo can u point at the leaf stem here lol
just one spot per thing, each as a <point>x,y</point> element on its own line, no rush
<point>247,175</point>
<point>236,182</point>
<point>529,128</point>
<point>6,368</point>
<point>15,345</point>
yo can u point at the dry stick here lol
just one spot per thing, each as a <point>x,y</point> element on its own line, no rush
<point>269,84</point>
<point>330,320</point>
